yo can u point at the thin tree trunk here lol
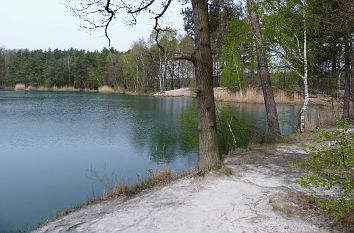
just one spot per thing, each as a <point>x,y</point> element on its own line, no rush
<point>160,73</point>
<point>346,103</point>
<point>305,77</point>
<point>352,73</point>
<point>208,147</point>
<point>164,70</point>
<point>271,110</point>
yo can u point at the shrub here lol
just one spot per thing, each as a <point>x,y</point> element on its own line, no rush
<point>331,167</point>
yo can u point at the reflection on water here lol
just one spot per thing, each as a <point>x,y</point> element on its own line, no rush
<point>239,125</point>
<point>59,149</point>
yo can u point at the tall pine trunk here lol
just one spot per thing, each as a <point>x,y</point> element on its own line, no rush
<point>271,110</point>
<point>208,147</point>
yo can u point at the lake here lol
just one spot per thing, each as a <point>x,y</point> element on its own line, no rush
<point>60,149</point>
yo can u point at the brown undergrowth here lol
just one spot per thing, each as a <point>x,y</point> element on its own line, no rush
<point>294,204</point>
<point>125,190</point>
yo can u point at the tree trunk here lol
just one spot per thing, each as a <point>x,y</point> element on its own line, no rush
<point>208,147</point>
<point>160,73</point>
<point>305,77</point>
<point>346,103</point>
<point>271,110</point>
<point>352,73</point>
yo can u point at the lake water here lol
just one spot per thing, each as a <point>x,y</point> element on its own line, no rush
<point>59,149</point>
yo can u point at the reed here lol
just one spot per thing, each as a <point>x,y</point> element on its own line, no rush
<point>105,89</point>
<point>65,89</point>
<point>253,95</point>
<point>20,87</point>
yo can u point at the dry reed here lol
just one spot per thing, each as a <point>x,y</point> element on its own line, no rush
<point>65,89</point>
<point>252,95</point>
<point>20,87</point>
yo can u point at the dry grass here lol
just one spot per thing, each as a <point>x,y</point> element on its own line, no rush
<point>227,171</point>
<point>299,205</point>
<point>322,118</point>
<point>346,224</point>
<point>106,89</point>
<point>252,95</point>
<point>38,88</point>
<point>123,190</point>
<point>20,87</point>
<point>65,89</point>
<point>295,205</point>
<point>155,180</point>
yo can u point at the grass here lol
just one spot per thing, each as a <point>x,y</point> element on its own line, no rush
<point>65,89</point>
<point>294,204</point>
<point>323,118</point>
<point>253,95</point>
<point>20,87</point>
<point>106,89</point>
<point>300,205</point>
<point>122,191</point>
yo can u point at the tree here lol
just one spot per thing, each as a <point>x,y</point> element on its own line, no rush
<point>347,11</point>
<point>271,110</point>
<point>312,38</point>
<point>238,56</point>
<point>203,68</point>
<point>201,57</point>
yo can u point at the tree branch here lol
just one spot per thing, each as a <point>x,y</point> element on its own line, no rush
<point>188,57</point>
<point>112,13</point>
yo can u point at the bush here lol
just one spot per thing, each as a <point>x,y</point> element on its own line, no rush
<point>331,167</point>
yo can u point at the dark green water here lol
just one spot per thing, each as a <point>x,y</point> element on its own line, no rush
<point>59,149</point>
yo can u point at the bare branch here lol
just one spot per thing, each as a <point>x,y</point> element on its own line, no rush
<point>141,8</point>
<point>112,13</point>
<point>188,57</point>
<point>156,26</point>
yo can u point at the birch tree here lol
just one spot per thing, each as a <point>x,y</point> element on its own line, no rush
<point>289,42</point>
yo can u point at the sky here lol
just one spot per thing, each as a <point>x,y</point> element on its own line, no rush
<point>44,24</point>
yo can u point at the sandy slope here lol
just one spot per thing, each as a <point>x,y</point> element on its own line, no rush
<point>176,93</point>
<point>238,203</point>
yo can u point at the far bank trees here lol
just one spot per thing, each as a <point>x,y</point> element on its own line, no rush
<point>201,57</point>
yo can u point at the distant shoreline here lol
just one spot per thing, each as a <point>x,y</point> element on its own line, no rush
<point>221,94</point>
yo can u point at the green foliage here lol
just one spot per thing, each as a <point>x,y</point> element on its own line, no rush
<point>189,126</point>
<point>137,69</point>
<point>330,167</point>
<point>233,129</point>
<point>238,54</point>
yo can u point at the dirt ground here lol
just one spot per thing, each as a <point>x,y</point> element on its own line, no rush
<point>259,196</point>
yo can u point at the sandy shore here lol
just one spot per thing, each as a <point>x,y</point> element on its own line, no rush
<point>245,96</point>
<point>187,92</point>
<point>249,200</point>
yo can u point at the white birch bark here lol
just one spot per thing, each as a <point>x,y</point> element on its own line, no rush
<point>305,76</point>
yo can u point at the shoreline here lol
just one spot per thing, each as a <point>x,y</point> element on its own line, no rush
<point>221,94</point>
<point>256,188</point>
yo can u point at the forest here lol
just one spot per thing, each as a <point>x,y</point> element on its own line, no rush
<point>324,27</point>
<point>249,152</point>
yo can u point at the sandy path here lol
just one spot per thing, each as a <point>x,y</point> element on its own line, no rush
<point>239,203</point>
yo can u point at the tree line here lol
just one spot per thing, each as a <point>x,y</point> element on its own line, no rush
<point>142,68</point>
<point>296,45</point>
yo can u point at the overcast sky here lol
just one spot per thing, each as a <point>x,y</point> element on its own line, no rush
<point>43,24</point>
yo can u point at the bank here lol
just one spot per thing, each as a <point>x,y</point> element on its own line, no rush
<point>254,192</point>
